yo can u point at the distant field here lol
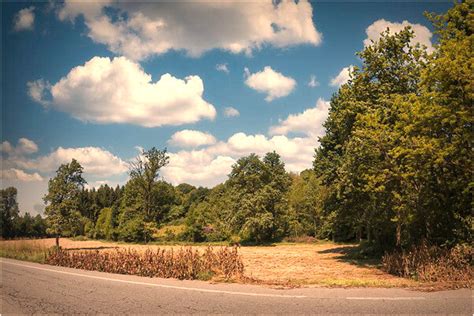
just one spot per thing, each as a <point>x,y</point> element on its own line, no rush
<point>323,264</point>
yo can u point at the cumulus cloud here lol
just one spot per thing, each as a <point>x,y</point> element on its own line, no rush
<point>24,146</point>
<point>24,20</point>
<point>313,82</point>
<point>20,175</point>
<point>223,68</point>
<point>231,112</point>
<point>268,81</point>
<point>309,122</point>
<point>142,29</point>
<point>117,90</point>
<point>422,33</point>
<point>210,166</point>
<point>191,138</point>
<point>97,162</point>
<point>197,168</point>
<point>343,76</point>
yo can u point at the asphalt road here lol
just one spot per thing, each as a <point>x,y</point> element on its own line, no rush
<point>34,288</point>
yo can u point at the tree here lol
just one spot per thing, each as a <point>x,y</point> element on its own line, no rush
<point>144,171</point>
<point>9,212</point>
<point>62,200</point>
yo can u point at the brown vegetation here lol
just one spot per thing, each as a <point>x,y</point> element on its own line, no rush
<point>433,264</point>
<point>183,263</point>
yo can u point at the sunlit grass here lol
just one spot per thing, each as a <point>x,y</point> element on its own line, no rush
<point>26,250</point>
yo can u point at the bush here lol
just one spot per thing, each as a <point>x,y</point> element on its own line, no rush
<point>432,264</point>
<point>185,263</point>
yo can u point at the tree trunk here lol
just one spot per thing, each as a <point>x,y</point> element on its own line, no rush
<point>57,241</point>
<point>399,234</point>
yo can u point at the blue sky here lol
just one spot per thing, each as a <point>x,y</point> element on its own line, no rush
<point>51,112</point>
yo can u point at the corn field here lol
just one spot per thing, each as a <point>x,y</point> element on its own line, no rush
<point>184,263</point>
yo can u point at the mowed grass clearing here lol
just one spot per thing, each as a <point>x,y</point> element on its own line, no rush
<point>281,264</point>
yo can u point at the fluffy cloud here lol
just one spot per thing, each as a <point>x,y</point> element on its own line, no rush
<point>143,29</point>
<point>313,82</point>
<point>268,81</point>
<point>197,168</point>
<point>211,165</point>
<point>310,122</point>
<point>37,90</point>
<point>117,90</point>
<point>223,68</point>
<point>97,162</point>
<point>24,19</point>
<point>20,175</point>
<point>422,33</point>
<point>190,138</point>
<point>231,112</point>
<point>343,77</point>
<point>24,146</point>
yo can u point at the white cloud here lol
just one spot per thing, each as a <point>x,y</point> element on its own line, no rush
<point>273,83</point>
<point>37,90</point>
<point>20,175</point>
<point>190,138</point>
<point>422,33</point>
<point>313,82</point>
<point>24,20</point>
<point>97,162</point>
<point>231,112</point>
<point>142,29</point>
<point>211,165</point>
<point>24,146</point>
<point>197,168</point>
<point>117,90</point>
<point>223,68</point>
<point>343,77</point>
<point>310,122</point>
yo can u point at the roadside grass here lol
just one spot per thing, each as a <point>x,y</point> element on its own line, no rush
<point>282,265</point>
<point>26,250</point>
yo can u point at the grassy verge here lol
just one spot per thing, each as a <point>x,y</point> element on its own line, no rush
<point>24,250</point>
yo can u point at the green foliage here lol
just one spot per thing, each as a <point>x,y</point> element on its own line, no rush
<point>104,227</point>
<point>397,158</point>
<point>9,212</point>
<point>62,199</point>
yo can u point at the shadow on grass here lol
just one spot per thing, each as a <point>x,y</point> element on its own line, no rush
<point>354,255</point>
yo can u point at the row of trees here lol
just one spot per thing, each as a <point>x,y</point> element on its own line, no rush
<point>394,167</point>
<point>14,225</point>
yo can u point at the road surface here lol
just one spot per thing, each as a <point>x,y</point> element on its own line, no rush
<point>35,288</point>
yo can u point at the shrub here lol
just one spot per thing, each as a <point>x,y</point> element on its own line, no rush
<point>185,263</point>
<point>432,264</point>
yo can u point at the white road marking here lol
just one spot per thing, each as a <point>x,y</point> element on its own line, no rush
<point>154,284</point>
<point>387,298</point>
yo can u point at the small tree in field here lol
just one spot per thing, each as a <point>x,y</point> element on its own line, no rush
<point>62,200</point>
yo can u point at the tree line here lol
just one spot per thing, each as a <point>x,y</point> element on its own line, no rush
<point>394,167</point>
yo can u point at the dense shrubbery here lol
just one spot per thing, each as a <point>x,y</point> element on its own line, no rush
<point>185,263</point>
<point>432,263</point>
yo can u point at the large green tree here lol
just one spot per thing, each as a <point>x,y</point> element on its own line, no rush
<point>62,200</point>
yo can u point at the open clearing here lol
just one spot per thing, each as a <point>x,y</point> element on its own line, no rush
<point>285,264</point>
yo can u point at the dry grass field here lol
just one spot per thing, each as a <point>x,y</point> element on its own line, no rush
<point>285,264</point>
